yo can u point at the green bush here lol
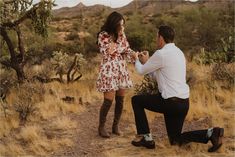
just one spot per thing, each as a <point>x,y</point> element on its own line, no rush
<point>147,86</point>
<point>224,54</point>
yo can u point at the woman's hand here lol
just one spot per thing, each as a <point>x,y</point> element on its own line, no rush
<point>112,47</point>
<point>143,56</point>
<point>135,55</point>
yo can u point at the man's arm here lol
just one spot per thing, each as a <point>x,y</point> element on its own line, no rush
<point>153,63</point>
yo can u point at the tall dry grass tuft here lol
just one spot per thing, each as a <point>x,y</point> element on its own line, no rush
<point>63,123</point>
<point>7,124</point>
<point>11,148</point>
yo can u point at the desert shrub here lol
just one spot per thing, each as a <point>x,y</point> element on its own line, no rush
<point>72,48</point>
<point>136,41</point>
<point>191,77</point>
<point>224,54</point>
<point>90,46</point>
<point>70,65</point>
<point>198,28</point>
<point>128,13</point>
<point>224,72</point>
<point>42,72</point>
<point>205,57</point>
<point>72,36</point>
<point>76,26</point>
<point>27,96</point>
<point>140,36</point>
<point>147,86</point>
<point>228,48</point>
<point>142,40</point>
<point>7,80</point>
<point>36,56</point>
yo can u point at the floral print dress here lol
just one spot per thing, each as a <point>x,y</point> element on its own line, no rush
<point>113,74</point>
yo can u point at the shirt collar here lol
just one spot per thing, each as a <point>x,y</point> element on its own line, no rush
<point>169,45</point>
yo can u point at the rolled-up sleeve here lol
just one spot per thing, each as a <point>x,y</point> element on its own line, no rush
<point>154,63</point>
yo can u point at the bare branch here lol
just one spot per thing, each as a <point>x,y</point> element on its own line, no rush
<point>10,45</point>
<point>71,68</point>
<point>78,77</point>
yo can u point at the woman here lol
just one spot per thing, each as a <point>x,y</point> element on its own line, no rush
<point>113,76</point>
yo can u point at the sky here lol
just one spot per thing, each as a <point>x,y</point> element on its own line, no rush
<point>71,3</point>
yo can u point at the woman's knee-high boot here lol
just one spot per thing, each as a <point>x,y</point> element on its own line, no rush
<point>117,114</point>
<point>103,113</point>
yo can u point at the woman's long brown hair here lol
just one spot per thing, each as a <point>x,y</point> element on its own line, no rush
<point>112,24</point>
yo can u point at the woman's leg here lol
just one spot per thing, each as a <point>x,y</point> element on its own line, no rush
<point>108,98</point>
<point>119,98</point>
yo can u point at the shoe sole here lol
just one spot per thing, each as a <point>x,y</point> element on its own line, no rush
<point>148,147</point>
<point>104,136</point>
<point>221,132</point>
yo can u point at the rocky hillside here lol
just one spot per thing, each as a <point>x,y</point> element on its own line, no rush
<point>80,10</point>
<point>143,6</point>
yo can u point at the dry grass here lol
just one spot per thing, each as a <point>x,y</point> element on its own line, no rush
<point>11,149</point>
<point>52,117</point>
<point>63,123</point>
<point>52,128</point>
<point>7,124</point>
<point>209,99</point>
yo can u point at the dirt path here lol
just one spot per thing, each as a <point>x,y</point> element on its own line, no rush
<point>87,141</point>
<point>89,144</point>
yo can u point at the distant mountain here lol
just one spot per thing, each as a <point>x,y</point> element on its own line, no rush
<point>79,9</point>
<point>148,7</point>
<point>143,6</point>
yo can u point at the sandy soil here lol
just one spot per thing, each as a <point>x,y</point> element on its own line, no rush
<point>88,143</point>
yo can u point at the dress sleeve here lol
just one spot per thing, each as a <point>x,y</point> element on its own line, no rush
<point>127,51</point>
<point>104,43</point>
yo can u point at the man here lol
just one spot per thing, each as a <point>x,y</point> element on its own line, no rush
<point>168,67</point>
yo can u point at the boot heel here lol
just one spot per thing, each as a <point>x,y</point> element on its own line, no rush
<point>221,132</point>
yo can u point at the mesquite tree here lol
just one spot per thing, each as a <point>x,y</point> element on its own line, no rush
<point>12,15</point>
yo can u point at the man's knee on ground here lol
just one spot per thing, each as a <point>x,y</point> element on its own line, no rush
<point>175,141</point>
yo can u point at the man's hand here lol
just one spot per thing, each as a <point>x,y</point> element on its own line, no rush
<point>143,56</point>
<point>134,55</point>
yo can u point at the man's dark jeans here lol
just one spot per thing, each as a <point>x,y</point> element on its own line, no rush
<point>174,110</point>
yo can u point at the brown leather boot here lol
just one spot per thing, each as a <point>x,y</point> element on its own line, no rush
<point>103,113</point>
<point>216,139</point>
<point>117,114</point>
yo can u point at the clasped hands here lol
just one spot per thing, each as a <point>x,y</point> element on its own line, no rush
<point>142,56</point>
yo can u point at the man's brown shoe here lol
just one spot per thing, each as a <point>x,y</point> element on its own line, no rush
<point>216,139</point>
<point>144,143</point>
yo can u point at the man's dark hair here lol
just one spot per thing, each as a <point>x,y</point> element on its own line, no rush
<point>112,24</point>
<point>167,33</point>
